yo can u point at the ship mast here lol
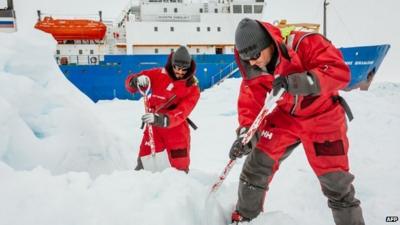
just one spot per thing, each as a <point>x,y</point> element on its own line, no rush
<point>10,4</point>
<point>326,3</point>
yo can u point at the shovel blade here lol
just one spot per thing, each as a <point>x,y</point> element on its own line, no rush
<point>157,162</point>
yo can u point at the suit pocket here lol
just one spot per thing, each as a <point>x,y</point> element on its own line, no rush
<point>179,153</point>
<point>329,148</point>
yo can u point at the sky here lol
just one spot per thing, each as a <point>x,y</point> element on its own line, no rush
<point>350,22</point>
<point>66,160</point>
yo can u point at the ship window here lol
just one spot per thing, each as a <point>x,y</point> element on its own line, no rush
<point>175,10</point>
<point>237,8</point>
<point>201,10</point>
<point>259,0</point>
<point>208,29</point>
<point>216,10</point>
<point>58,52</point>
<point>198,29</point>
<point>165,10</point>
<point>247,9</point>
<point>171,29</point>
<point>155,29</point>
<point>197,50</point>
<point>258,9</point>
<point>91,52</point>
<point>219,29</point>
<point>80,52</point>
<point>219,51</point>
<point>156,50</point>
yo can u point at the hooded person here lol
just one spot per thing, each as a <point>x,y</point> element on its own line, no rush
<point>311,70</point>
<point>174,95</point>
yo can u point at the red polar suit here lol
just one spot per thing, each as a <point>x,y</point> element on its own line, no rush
<point>318,122</point>
<point>185,93</point>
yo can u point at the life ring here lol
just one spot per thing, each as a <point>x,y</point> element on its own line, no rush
<point>93,60</point>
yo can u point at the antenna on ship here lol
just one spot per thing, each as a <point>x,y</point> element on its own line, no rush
<point>10,4</point>
<point>326,3</point>
<point>39,15</point>
<point>101,15</point>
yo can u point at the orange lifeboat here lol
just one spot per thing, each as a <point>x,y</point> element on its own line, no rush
<point>69,29</point>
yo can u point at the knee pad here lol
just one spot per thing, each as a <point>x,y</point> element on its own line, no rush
<point>257,169</point>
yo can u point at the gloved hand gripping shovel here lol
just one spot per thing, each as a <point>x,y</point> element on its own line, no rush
<point>270,104</point>
<point>156,161</point>
<point>214,210</point>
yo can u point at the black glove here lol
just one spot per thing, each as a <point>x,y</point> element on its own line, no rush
<point>238,149</point>
<point>158,120</point>
<point>297,84</point>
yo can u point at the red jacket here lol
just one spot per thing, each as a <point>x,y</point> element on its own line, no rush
<point>164,86</point>
<point>306,52</point>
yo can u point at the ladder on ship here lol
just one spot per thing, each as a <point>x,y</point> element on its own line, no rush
<point>228,71</point>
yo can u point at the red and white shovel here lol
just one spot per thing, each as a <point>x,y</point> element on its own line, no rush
<point>156,161</point>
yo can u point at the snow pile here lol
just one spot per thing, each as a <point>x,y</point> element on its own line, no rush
<point>44,119</point>
<point>49,131</point>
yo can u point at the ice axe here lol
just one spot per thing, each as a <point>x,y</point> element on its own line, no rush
<point>155,161</point>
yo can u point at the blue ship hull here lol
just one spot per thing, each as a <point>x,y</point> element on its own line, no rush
<point>107,80</point>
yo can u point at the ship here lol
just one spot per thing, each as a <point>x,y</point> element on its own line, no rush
<point>96,55</point>
<point>8,21</point>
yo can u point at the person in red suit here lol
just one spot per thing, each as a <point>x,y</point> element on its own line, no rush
<point>174,94</point>
<point>310,112</point>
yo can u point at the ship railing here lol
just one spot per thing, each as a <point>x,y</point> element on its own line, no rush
<point>79,59</point>
<point>228,71</point>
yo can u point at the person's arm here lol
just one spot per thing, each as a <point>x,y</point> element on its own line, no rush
<point>324,63</point>
<point>133,79</point>
<point>251,98</point>
<point>179,114</point>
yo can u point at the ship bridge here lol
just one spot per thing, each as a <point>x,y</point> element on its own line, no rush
<point>161,26</point>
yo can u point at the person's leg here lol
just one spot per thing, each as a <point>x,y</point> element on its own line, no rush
<point>257,172</point>
<point>177,142</point>
<point>327,155</point>
<point>275,144</point>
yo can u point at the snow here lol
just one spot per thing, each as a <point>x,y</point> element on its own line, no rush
<point>66,160</point>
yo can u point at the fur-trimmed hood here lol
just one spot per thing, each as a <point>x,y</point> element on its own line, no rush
<point>189,76</point>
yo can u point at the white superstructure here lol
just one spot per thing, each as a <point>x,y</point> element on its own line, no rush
<point>161,26</point>
<point>8,21</point>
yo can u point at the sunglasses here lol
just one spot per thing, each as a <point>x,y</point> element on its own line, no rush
<point>248,58</point>
<point>180,68</point>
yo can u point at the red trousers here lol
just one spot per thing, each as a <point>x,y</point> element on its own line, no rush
<point>323,137</point>
<point>175,140</point>
<point>326,145</point>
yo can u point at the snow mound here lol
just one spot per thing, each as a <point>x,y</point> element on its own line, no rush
<point>44,119</point>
